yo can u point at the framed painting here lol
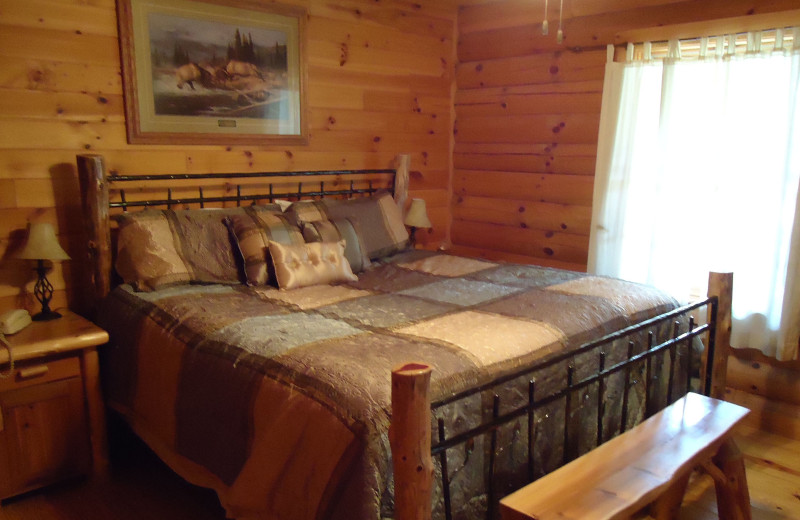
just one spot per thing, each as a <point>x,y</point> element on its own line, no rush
<point>213,72</point>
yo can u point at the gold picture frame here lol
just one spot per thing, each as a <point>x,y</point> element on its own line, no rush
<point>213,72</point>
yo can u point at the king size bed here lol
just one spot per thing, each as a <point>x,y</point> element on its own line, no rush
<point>279,398</point>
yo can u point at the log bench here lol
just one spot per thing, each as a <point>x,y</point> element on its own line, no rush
<point>648,465</point>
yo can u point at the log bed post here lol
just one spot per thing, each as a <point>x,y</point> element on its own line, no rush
<point>94,196</point>
<point>402,163</point>
<point>721,286</point>
<point>410,439</point>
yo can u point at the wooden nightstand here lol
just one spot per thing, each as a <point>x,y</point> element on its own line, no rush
<point>52,420</point>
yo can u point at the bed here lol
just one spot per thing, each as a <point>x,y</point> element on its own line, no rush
<point>280,399</point>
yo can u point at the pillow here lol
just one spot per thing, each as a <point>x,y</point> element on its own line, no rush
<point>253,231</point>
<point>162,247</point>
<point>380,220</point>
<point>306,211</point>
<point>146,254</point>
<point>283,204</point>
<point>340,229</point>
<point>310,264</point>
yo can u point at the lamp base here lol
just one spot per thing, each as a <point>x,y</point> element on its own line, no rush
<point>412,239</point>
<point>43,290</point>
<point>46,315</point>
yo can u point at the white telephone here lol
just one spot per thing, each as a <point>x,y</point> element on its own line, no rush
<point>14,321</point>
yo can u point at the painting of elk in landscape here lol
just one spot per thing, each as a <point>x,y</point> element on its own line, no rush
<point>210,69</point>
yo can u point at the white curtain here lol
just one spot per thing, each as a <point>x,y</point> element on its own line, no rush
<point>697,170</point>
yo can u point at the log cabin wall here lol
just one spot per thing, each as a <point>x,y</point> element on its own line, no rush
<point>528,111</point>
<point>380,82</point>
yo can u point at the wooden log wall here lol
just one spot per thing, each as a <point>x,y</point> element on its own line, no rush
<point>380,82</point>
<point>528,112</point>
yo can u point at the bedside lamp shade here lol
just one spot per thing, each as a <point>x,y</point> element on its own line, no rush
<point>42,245</point>
<point>417,215</point>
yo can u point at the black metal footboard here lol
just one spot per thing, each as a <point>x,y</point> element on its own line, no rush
<point>495,438</point>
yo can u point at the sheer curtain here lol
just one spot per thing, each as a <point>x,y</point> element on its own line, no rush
<point>697,170</point>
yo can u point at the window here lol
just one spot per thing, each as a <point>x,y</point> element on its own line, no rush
<point>698,170</point>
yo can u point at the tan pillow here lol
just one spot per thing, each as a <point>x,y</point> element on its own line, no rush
<point>163,247</point>
<point>147,257</point>
<point>253,231</point>
<point>310,264</point>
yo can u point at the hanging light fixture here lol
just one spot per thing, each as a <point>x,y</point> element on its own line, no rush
<point>545,26</point>
<point>560,33</point>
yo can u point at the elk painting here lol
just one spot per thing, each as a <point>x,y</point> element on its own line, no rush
<point>211,72</point>
<point>202,67</point>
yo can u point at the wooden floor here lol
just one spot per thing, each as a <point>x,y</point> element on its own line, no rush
<point>773,475</point>
<point>140,486</point>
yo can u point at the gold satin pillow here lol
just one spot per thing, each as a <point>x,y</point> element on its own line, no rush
<point>147,257</point>
<point>310,264</point>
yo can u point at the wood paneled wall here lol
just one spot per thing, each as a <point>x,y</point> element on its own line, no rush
<point>380,82</point>
<point>515,175</point>
<point>528,112</point>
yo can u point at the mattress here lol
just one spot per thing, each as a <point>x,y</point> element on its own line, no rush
<point>280,400</point>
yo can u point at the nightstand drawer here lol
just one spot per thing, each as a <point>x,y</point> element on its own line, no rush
<point>36,373</point>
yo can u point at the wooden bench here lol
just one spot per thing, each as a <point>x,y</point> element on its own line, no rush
<point>647,465</point>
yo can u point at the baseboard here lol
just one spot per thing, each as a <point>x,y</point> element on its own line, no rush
<point>766,414</point>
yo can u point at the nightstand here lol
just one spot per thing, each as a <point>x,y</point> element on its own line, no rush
<point>52,420</point>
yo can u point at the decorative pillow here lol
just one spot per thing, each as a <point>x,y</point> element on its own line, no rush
<point>253,231</point>
<point>306,211</point>
<point>160,247</point>
<point>310,264</point>
<point>380,219</point>
<point>340,229</point>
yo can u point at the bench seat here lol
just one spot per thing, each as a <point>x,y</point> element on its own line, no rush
<point>648,464</point>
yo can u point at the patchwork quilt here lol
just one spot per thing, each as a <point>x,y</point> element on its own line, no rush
<point>280,400</point>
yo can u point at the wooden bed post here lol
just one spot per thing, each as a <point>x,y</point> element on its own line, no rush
<point>94,196</point>
<point>410,439</point>
<point>721,286</point>
<point>402,164</point>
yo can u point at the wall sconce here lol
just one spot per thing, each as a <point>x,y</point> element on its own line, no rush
<point>417,217</point>
<point>42,245</point>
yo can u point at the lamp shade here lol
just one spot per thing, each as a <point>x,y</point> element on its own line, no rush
<point>417,215</point>
<point>42,244</point>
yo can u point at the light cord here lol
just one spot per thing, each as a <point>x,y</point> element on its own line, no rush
<point>7,345</point>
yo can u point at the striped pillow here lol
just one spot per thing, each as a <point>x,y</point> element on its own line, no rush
<point>253,231</point>
<point>379,217</point>
<point>336,230</point>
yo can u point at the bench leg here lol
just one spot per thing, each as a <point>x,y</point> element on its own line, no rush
<point>666,506</point>
<point>733,496</point>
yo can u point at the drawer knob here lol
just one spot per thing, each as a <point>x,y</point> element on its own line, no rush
<point>30,373</point>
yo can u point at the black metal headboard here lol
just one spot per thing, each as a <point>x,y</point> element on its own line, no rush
<point>345,183</point>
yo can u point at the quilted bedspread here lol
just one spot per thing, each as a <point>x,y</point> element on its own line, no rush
<point>280,400</point>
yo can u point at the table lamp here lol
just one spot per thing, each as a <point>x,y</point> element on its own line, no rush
<point>417,217</point>
<point>42,245</point>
